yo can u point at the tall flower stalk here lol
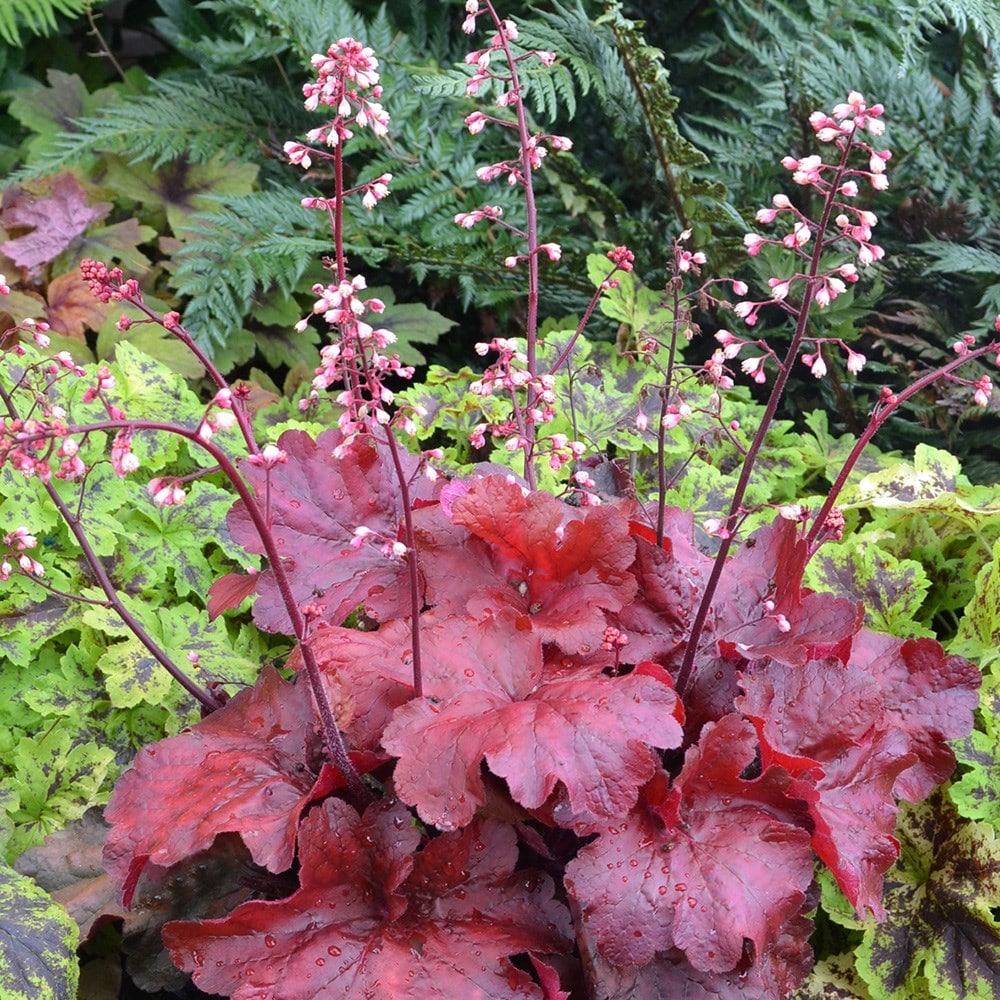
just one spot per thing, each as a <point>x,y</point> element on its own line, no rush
<point>841,227</point>
<point>358,359</point>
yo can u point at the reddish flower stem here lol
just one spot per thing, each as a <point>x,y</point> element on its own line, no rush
<point>878,418</point>
<point>686,671</point>
<point>202,695</point>
<point>531,319</point>
<point>333,737</point>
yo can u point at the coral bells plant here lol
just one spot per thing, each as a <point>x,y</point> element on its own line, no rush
<point>522,748</point>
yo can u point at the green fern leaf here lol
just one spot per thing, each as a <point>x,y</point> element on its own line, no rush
<point>37,16</point>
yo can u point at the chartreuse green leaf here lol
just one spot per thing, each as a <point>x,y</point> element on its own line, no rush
<point>57,780</point>
<point>132,675</point>
<point>174,542</point>
<point>978,636</point>
<point>932,482</point>
<point>892,590</point>
<point>977,793</point>
<point>23,502</point>
<point>27,624</point>
<point>38,942</point>
<point>941,938</point>
<point>644,312</point>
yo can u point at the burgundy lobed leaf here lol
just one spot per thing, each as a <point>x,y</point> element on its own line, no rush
<point>718,860</point>
<point>854,813</point>
<point>487,700</point>
<point>861,736</point>
<point>928,695</point>
<point>250,768</point>
<point>769,568</point>
<point>560,568</point>
<point>669,579</point>
<point>367,676</point>
<point>315,503</point>
<point>230,591</point>
<point>808,716</point>
<point>670,976</point>
<point>372,918</point>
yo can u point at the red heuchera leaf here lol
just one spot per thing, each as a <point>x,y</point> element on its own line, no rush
<point>855,814</point>
<point>769,567</point>
<point>557,566</point>
<point>56,221</point>
<point>808,716</point>
<point>316,502</point>
<point>230,591</point>
<point>744,626</point>
<point>783,968</point>
<point>368,675</point>
<point>669,581</point>
<point>374,919</point>
<point>487,699</point>
<point>721,860</point>
<point>861,736</point>
<point>928,695</point>
<point>827,723</point>
<point>250,768</point>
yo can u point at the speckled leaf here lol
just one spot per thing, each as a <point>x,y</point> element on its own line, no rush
<point>933,481</point>
<point>58,779</point>
<point>38,942</point>
<point>892,590</point>
<point>834,978</point>
<point>979,629</point>
<point>174,540</point>
<point>977,793</point>
<point>132,675</point>
<point>941,900</point>
<point>25,626</point>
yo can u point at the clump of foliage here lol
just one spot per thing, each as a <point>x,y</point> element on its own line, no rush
<point>540,732</point>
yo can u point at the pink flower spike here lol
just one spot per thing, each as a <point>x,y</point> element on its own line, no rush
<point>855,361</point>
<point>984,388</point>
<point>623,259</point>
<point>849,189</point>
<point>779,289</point>
<point>476,122</point>
<point>553,250</point>
<point>740,288</point>
<point>753,243</point>
<point>510,261</point>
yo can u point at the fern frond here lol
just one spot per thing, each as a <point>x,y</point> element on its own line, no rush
<point>955,258</point>
<point>247,245</point>
<point>197,118</point>
<point>308,25</point>
<point>922,20</point>
<point>37,16</point>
